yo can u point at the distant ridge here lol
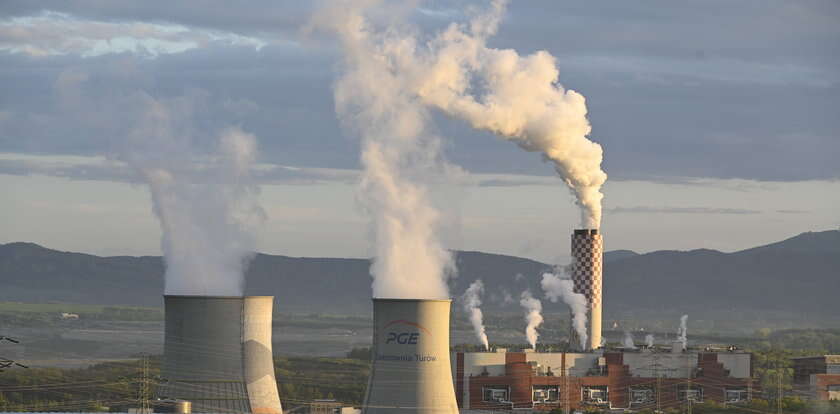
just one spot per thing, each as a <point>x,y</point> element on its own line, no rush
<point>799,274</point>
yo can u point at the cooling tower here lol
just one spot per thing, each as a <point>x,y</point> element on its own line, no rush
<point>411,371</point>
<point>587,259</point>
<point>217,354</point>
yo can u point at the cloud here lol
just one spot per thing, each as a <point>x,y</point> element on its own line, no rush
<point>52,33</point>
<point>681,210</point>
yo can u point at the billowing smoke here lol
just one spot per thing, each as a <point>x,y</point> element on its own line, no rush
<point>533,316</point>
<point>649,341</point>
<point>400,158</point>
<point>682,332</point>
<point>628,342</point>
<point>555,288</point>
<point>206,204</point>
<point>516,97</point>
<point>472,305</point>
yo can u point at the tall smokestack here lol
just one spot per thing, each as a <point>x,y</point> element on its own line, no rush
<point>411,372</point>
<point>217,354</point>
<point>587,260</point>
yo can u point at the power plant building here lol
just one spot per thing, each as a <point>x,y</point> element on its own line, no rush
<point>818,377</point>
<point>587,270</point>
<point>217,354</point>
<point>647,378</point>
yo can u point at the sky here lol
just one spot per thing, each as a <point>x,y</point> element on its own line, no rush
<point>718,119</point>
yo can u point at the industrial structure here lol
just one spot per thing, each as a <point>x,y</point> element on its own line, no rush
<point>217,354</point>
<point>818,377</point>
<point>411,370</point>
<point>587,267</point>
<point>607,379</point>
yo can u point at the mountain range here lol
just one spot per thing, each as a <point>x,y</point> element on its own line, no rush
<point>797,275</point>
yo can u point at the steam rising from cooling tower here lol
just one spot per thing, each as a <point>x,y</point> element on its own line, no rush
<point>207,205</point>
<point>533,316</point>
<point>472,305</point>
<point>682,332</point>
<point>649,340</point>
<point>557,288</point>
<point>401,159</point>
<point>628,342</point>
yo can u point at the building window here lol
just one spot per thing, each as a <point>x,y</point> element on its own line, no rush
<point>642,395</point>
<point>595,395</point>
<point>693,393</point>
<point>734,395</point>
<point>545,393</point>
<point>496,393</point>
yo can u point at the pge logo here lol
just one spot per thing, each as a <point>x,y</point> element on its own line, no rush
<point>404,338</point>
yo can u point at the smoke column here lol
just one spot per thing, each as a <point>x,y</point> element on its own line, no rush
<point>472,302</point>
<point>516,97</point>
<point>554,288</point>
<point>533,316</point>
<point>400,158</point>
<point>682,332</point>
<point>207,204</point>
<point>628,341</point>
<point>649,340</point>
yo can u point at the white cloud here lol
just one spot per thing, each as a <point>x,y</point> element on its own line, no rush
<point>52,33</point>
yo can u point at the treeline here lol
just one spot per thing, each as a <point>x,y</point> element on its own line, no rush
<point>114,386</point>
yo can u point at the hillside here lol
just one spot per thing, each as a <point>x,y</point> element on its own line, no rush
<point>796,275</point>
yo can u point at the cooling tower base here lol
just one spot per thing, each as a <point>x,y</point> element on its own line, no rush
<point>217,354</point>
<point>411,372</point>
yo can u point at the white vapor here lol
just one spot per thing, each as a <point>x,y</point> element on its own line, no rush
<point>472,305</point>
<point>628,342</point>
<point>649,340</point>
<point>209,215</point>
<point>515,97</point>
<point>533,316</point>
<point>557,288</point>
<point>682,332</point>
<point>401,160</point>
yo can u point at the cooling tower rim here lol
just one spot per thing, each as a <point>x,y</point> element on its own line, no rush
<point>410,300</point>
<point>216,297</point>
<point>587,231</point>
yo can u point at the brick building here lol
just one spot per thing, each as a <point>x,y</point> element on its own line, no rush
<point>605,379</point>
<point>818,376</point>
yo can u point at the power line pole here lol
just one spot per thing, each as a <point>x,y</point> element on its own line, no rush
<point>143,392</point>
<point>779,391</point>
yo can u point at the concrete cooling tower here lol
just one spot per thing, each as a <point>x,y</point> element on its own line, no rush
<point>411,371</point>
<point>587,264</point>
<point>217,354</point>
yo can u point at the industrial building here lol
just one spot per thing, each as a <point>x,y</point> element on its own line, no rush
<point>818,377</point>
<point>217,354</point>
<point>636,379</point>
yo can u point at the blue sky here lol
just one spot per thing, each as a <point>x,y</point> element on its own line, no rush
<point>718,121</point>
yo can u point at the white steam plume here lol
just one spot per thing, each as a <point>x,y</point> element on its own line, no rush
<point>400,158</point>
<point>516,97</point>
<point>533,316</point>
<point>207,205</point>
<point>649,340</point>
<point>562,288</point>
<point>628,342</point>
<point>472,305</point>
<point>682,332</point>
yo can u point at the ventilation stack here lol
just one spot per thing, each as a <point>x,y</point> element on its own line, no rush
<point>217,354</point>
<point>411,372</point>
<point>587,264</point>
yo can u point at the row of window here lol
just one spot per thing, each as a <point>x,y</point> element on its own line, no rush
<point>599,394</point>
